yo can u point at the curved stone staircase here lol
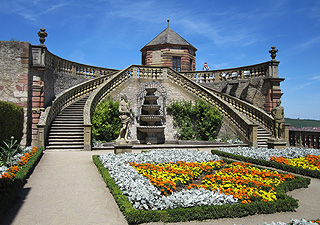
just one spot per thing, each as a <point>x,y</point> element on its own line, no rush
<point>71,127</point>
<point>67,131</point>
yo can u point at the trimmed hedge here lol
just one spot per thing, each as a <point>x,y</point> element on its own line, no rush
<point>136,216</point>
<point>292,169</point>
<point>11,120</point>
<point>8,194</point>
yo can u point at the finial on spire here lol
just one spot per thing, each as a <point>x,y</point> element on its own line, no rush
<point>168,22</point>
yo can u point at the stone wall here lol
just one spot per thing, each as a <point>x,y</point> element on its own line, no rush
<point>15,83</point>
<point>253,90</point>
<point>174,93</point>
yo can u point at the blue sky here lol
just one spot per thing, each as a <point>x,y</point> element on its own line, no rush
<point>229,33</point>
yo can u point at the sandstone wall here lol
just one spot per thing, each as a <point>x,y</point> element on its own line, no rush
<point>253,91</point>
<point>174,93</point>
<point>15,82</point>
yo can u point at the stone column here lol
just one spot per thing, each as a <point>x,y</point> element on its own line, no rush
<point>273,92</point>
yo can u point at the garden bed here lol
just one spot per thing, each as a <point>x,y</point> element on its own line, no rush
<point>12,180</point>
<point>293,160</point>
<point>142,202</point>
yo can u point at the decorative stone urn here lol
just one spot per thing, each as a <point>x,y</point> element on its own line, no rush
<point>152,117</point>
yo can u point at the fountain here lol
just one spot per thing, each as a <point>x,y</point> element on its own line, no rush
<point>152,115</point>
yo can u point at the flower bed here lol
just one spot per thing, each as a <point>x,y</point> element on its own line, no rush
<point>297,160</point>
<point>14,177</point>
<point>153,194</point>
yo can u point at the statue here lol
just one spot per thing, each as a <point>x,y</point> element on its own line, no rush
<point>125,116</point>
<point>278,116</point>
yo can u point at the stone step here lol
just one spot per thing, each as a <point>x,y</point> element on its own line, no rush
<point>65,137</point>
<point>64,133</point>
<point>66,143</point>
<point>67,131</point>
<point>73,112</point>
<point>66,126</point>
<point>62,147</point>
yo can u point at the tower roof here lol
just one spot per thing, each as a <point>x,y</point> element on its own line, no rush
<point>168,36</point>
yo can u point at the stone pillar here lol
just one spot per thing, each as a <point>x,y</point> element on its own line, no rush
<point>87,137</point>
<point>38,70</point>
<point>253,135</point>
<point>273,93</point>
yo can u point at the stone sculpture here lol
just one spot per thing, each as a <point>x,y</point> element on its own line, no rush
<point>125,116</point>
<point>278,116</point>
<point>42,36</point>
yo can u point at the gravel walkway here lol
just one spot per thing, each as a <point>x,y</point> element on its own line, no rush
<point>66,188</point>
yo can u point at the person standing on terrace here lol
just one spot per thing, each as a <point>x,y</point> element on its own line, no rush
<point>205,67</point>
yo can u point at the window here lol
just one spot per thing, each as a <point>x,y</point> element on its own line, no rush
<point>176,63</point>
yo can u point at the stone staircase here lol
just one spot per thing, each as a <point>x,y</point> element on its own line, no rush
<point>262,136</point>
<point>67,131</point>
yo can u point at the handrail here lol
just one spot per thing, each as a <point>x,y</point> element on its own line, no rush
<point>266,69</point>
<point>253,112</point>
<point>97,95</point>
<point>43,58</point>
<point>63,100</point>
<point>244,125</point>
<point>100,87</point>
<point>303,138</point>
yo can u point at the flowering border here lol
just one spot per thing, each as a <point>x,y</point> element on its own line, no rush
<point>263,162</point>
<point>136,216</point>
<point>18,179</point>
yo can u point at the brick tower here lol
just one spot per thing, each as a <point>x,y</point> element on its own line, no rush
<point>169,49</point>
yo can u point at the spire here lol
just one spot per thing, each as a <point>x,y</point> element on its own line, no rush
<point>168,22</point>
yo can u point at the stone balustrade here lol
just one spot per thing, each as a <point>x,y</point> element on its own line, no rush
<point>254,113</point>
<point>43,58</point>
<point>267,69</point>
<point>305,139</point>
<point>99,88</point>
<point>247,128</point>
<point>63,100</point>
<point>98,95</point>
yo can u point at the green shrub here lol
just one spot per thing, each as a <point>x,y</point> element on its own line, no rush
<point>106,123</point>
<point>198,121</point>
<point>8,152</point>
<point>11,120</point>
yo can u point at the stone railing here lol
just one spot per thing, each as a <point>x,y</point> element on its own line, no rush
<point>247,128</point>
<point>99,94</point>
<point>252,112</point>
<point>99,88</point>
<point>63,100</point>
<point>305,139</point>
<point>41,57</point>
<point>267,69</point>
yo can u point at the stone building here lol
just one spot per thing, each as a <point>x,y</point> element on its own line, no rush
<point>169,49</point>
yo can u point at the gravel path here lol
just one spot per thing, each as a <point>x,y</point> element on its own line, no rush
<point>61,192</point>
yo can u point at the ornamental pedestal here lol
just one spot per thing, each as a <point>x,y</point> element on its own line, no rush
<point>277,143</point>
<point>122,146</point>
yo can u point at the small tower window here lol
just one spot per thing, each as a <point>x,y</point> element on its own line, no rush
<point>176,63</point>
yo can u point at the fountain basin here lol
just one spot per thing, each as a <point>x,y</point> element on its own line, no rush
<point>151,108</point>
<point>151,129</point>
<point>151,118</point>
<point>151,90</point>
<point>151,98</point>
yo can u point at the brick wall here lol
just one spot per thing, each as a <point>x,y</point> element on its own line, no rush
<point>15,85</point>
<point>163,57</point>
